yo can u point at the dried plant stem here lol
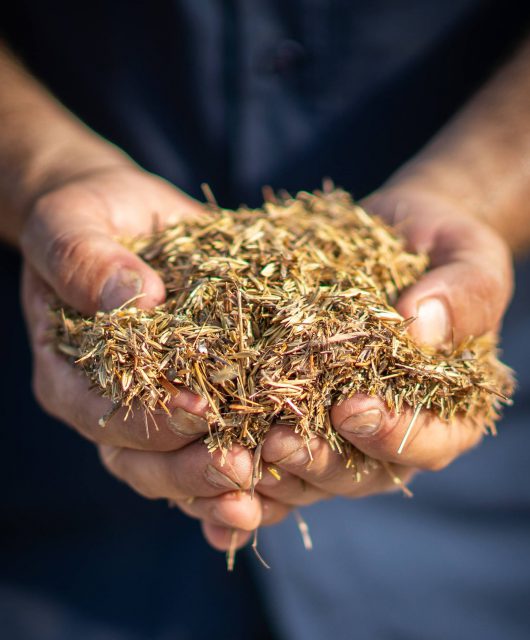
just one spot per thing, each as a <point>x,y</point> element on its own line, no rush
<point>304,530</point>
<point>255,549</point>
<point>409,429</point>
<point>256,468</point>
<point>273,315</point>
<point>396,479</point>
<point>232,549</point>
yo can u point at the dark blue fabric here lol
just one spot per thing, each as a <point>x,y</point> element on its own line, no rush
<point>251,92</point>
<point>240,94</point>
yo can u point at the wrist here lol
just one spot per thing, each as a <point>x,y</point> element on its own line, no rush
<point>398,196</point>
<point>42,145</point>
<point>444,187</point>
<point>47,168</point>
<point>424,213</point>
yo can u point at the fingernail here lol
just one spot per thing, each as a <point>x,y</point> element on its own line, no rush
<point>120,287</point>
<point>432,325</point>
<point>363,424</point>
<point>219,479</point>
<point>184,423</point>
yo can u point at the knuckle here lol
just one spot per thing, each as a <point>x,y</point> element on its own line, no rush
<point>172,477</point>
<point>65,251</point>
<point>67,247</point>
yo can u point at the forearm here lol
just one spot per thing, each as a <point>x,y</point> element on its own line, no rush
<point>481,159</point>
<point>41,145</point>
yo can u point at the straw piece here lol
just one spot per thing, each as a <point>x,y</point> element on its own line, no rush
<point>275,314</point>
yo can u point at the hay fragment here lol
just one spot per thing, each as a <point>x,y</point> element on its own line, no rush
<point>273,315</point>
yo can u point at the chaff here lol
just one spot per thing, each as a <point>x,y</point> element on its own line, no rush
<point>275,314</point>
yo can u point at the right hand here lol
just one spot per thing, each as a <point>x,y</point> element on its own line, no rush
<point>69,248</point>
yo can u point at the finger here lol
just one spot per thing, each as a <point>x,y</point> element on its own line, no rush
<point>470,281</point>
<point>289,488</point>
<point>431,443</point>
<point>65,393</point>
<point>322,468</point>
<point>465,294</point>
<point>236,510</point>
<point>285,487</point>
<point>223,538</point>
<point>69,237</point>
<point>177,475</point>
<point>84,265</point>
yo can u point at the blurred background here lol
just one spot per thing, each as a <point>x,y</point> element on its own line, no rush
<point>241,94</point>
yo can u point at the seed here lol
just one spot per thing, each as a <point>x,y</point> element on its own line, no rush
<point>273,315</point>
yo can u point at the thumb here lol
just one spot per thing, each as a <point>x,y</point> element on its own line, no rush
<point>469,282</point>
<point>468,287</point>
<point>85,266</point>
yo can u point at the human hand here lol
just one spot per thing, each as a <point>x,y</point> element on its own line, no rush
<point>465,293</point>
<point>70,250</point>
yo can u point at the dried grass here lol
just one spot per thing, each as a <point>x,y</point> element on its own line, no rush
<point>274,314</point>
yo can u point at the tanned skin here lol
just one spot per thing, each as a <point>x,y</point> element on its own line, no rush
<point>66,194</point>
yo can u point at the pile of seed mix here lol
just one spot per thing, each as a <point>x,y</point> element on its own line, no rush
<point>273,315</point>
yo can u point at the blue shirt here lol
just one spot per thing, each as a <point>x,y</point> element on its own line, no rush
<point>241,94</point>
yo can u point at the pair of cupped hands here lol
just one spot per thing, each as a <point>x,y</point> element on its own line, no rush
<point>71,251</point>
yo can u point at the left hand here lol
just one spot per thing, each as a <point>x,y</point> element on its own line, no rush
<point>465,293</point>
<point>71,253</point>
